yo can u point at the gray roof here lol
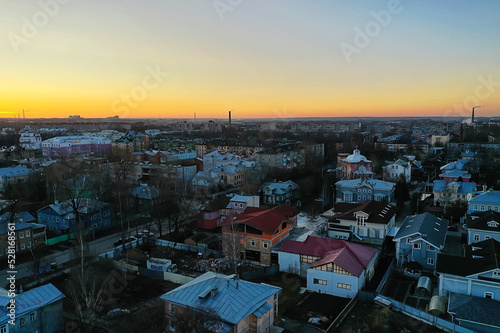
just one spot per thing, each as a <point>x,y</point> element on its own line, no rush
<point>463,187</point>
<point>278,187</point>
<point>146,192</point>
<point>229,299</point>
<point>426,226</point>
<point>475,309</point>
<point>30,300</point>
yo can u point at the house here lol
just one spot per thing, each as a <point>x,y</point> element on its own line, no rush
<point>145,197</point>
<point>420,239</point>
<point>359,190</point>
<point>349,165</point>
<point>440,139</point>
<point>277,193</point>
<point>212,213</point>
<point>392,171</point>
<point>257,230</point>
<point>446,192</point>
<point>220,158</point>
<point>369,221</point>
<point>456,175</point>
<point>239,203</point>
<point>475,313</point>
<point>483,201</point>
<point>60,217</point>
<point>332,266</point>
<point>64,146</point>
<point>13,175</point>
<point>482,226</point>
<point>477,273</point>
<point>28,234</point>
<point>30,140</point>
<point>224,303</point>
<point>36,310</point>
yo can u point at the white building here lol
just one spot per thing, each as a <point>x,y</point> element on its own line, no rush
<point>30,140</point>
<point>332,266</point>
<point>393,170</point>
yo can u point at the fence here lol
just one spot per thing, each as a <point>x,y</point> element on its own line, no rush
<point>185,247</point>
<point>386,276</point>
<point>428,318</point>
<point>259,273</point>
<point>60,239</point>
<point>342,315</point>
<point>167,276</point>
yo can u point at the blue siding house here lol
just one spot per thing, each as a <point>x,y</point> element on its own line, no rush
<point>483,201</point>
<point>483,226</point>
<point>37,310</point>
<point>359,190</point>
<point>475,274</point>
<point>60,218</point>
<point>420,239</point>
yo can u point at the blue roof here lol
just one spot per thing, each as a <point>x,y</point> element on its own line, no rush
<point>146,192</point>
<point>30,300</point>
<point>223,296</point>
<point>371,183</point>
<point>14,171</point>
<point>455,174</point>
<point>487,197</point>
<point>426,226</point>
<point>463,188</point>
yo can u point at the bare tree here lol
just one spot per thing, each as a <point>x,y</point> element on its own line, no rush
<point>233,243</point>
<point>202,321</point>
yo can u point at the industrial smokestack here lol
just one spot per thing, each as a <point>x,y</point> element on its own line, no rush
<point>230,118</point>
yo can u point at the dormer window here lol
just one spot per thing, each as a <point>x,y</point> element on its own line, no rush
<point>493,224</point>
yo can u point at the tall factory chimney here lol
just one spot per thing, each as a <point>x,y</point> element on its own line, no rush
<point>230,118</point>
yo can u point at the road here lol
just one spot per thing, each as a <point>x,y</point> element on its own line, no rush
<point>97,246</point>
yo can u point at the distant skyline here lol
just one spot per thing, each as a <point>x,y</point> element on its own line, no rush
<point>279,59</point>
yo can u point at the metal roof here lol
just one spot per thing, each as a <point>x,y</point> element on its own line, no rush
<point>15,171</point>
<point>426,226</point>
<point>370,183</point>
<point>31,300</point>
<point>223,296</point>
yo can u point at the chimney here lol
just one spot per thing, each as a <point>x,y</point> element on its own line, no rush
<point>229,118</point>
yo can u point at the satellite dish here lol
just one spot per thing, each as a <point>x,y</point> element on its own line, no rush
<point>469,196</point>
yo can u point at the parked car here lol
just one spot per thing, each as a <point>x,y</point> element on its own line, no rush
<point>118,312</point>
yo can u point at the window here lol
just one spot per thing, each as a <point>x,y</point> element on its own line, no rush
<point>32,316</point>
<point>319,281</point>
<point>308,259</point>
<point>430,248</point>
<point>416,245</point>
<point>475,207</point>
<point>3,329</point>
<point>430,261</point>
<point>265,245</point>
<point>476,238</point>
<point>343,286</point>
<point>28,244</point>
<point>487,237</point>
<point>408,241</point>
<point>488,294</point>
<point>252,243</point>
<point>172,325</point>
<point>172,309</point>
<point>23,246</point>
<point>22,321</point>
<point>482,208</point>
<point>496,273</point>
<point>21,234</point>
<point>27,233</point>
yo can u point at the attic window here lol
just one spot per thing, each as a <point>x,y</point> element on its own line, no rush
<point>436,229</point>
<point>493,224</point>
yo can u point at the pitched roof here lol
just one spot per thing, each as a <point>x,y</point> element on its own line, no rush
<point>370,183</point>
<point>146,192</point>
<point>475,309</point>
<point>267,220</point>
<point>486,197</point>
<point>15,171</point>
<point>356,157</point>
<point>352,257</point>
<point>480,221</point>
<point>31,300</point>
<point>479,257</point>
<point>455,174</point>
<point>463,187</point>
<point>223,296</point>
<point>275,186</point>
<point>378,212</point>
<point>426,226</point>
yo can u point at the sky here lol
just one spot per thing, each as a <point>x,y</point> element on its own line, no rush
<point>259,58</point>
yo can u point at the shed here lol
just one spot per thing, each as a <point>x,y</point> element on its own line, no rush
<point>437,306</point>
<point>424,287</point>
